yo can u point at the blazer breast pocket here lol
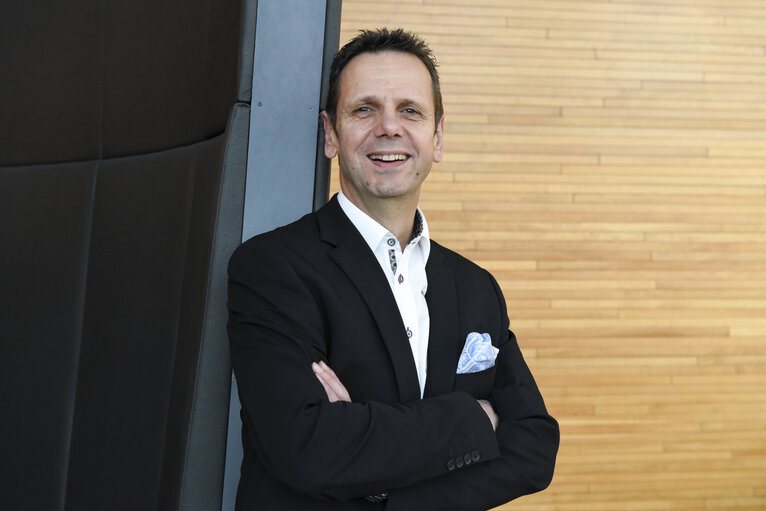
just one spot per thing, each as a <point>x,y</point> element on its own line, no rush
<point>478,384</point>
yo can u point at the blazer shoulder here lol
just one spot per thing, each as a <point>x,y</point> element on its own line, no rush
<point>467,274</point>
<point>459,263</point>
<point>290,239</point>
<point>303,229</point>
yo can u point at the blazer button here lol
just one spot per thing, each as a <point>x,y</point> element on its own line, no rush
<point>459,461</point>
<point>451,465</point>
<point>475,456</point>
<point>467,459</point>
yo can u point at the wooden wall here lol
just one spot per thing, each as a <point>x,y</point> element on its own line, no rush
<point>606,160</point>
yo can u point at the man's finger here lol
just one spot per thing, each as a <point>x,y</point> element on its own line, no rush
<point>334,382</point>
<point>333,387</point>
<point>487,407</point>
<point>320,376</point>
<point>325,384</point>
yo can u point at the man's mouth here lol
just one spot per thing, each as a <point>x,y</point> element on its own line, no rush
<point>388,157</point>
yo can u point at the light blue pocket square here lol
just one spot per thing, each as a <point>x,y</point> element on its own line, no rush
<point>478,354</point>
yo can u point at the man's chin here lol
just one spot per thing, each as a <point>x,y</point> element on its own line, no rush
<point>392,192</point>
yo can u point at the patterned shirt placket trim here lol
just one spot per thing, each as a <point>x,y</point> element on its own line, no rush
<point>392,259</point>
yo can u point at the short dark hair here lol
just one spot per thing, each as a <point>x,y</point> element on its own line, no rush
<point>374,41</point>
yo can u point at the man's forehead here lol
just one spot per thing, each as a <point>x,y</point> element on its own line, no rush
<point>396,72</point>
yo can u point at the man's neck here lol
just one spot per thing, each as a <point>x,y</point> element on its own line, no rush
<point>397,214</point>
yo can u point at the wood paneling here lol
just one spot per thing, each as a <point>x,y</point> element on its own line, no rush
<point>606,160</point>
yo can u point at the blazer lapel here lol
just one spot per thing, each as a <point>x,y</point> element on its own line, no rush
<point>444,344</point>
<point>356,260</point>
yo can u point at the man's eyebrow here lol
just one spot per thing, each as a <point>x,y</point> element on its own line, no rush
<point>373,99</point>
<point>413,102</point>
<point>364,99</point>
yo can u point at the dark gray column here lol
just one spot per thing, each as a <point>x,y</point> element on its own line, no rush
<point>287,173</point>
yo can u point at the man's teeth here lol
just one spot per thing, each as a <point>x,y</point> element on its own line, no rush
<point>388,157</point>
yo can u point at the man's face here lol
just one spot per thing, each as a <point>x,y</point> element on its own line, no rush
<point>385,136</point>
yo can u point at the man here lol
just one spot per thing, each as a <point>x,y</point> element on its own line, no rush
<point>352,332</point>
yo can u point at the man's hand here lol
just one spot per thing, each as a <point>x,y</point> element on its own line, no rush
<point>487,407</point>
<point>331,383</point>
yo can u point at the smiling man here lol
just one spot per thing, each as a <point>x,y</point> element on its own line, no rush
<point>375,367</point>
<point>386,135</point>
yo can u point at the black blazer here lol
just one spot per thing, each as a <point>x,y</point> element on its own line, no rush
<point>312,291</point>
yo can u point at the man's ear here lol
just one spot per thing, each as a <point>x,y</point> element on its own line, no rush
<point>330,138</point>
<point>439,141</point>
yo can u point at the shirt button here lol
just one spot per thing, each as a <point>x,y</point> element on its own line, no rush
<point>391,242</point>
<point>401,279</point>
<point>409,333</point>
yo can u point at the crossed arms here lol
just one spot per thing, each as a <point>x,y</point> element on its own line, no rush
<point>336,391</point>
<point>310,434</point>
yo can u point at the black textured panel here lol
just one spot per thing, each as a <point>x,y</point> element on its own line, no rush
<point>176,83</point>
<point>51,57</point>
<point>145,295</point>
<point>44,236</point>
<point>90,79</point>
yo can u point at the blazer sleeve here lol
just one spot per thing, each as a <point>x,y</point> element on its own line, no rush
<point>328,450</point>
<point>527,434</point>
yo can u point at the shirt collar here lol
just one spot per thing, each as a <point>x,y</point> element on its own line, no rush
<point>374,233</point>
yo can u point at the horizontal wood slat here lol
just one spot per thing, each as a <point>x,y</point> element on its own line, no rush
<point>606,160</point>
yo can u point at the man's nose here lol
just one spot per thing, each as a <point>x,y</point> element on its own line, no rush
<point>389,123</point>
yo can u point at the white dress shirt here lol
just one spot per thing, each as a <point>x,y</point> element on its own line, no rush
<point>405,270</point>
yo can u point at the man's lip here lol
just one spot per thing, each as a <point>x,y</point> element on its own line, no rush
<point>388,157</point>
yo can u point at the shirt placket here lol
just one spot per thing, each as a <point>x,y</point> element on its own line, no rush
<point>403,293</point>
<point>401,285</point>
